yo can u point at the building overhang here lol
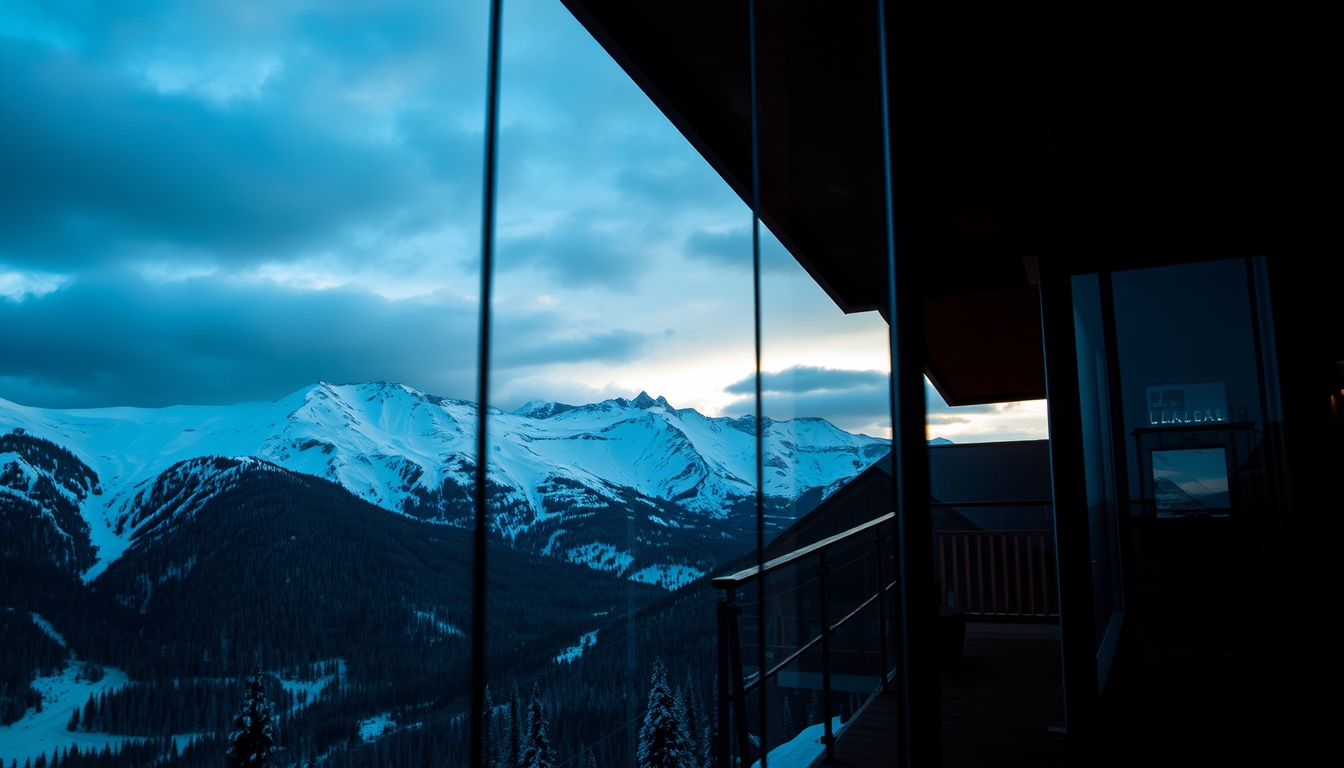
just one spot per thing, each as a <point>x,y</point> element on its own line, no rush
<point>1088,137</point>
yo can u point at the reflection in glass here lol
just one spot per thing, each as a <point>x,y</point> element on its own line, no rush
<point>1190,480</point>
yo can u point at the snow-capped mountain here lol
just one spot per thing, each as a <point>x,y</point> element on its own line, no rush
<point>636,487</point>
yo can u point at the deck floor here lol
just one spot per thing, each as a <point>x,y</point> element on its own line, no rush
<point>1173,706</point>
<point>997,706</point>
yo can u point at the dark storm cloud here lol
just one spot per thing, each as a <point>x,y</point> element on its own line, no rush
<point>575,254</point>
<point>838,395</point>
<point>593,181</point>
<point>202,341</point>
<point>133,342</point>
<point>528,344</point>
<point>943,419</point>
<point>850,399</point>
<point>805,379</point>
<point>230,134</point>
<point>97,161</point>
<point>733,249</point>
<point>336,140</point>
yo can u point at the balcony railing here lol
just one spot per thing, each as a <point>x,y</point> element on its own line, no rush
<point>826,632</point>
<point>821,636</point>
<point>997,574</point>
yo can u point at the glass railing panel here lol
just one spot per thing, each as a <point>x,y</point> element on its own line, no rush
<point>825,403</point>
<point>797,706</point>
<point>821,630</point>
<point>855,610</point>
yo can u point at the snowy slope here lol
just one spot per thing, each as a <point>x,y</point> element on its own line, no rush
<point>556,470</point>
<point>42,732</point>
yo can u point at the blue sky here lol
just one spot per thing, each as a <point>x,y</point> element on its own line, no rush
<point>212,202</point>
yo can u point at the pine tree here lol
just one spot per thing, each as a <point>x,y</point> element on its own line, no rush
<point>695,722</point>
<point>662,739</point>
<point>712,729</point>
<point>515,730</point>
<point>537,747</point>
<point>488,730</point>
<point>251,745</point>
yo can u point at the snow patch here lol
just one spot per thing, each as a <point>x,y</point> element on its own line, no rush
<point>310,691</point>
<point>804,749</point>
<point>667,575</point>
<point>43,732</point>
<point>376,726</point>
<point>428,618</point>
<point>50,630</point>
<point>546,550</point>
<point>576,651</point>
<point>601,557</point>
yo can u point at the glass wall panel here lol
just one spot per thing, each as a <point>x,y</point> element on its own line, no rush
<point>239,271</point>
<point>1187,361</point>
<point>1193,417</point>
<point>621,480</point>
<point>826,403</point>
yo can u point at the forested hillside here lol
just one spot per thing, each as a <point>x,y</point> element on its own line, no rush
<point>297,575</point>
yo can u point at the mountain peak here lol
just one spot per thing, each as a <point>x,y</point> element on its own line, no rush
<point>541,409</point>
<point>643,402</point>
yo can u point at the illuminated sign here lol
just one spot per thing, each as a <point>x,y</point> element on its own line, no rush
<point>1187,404</point>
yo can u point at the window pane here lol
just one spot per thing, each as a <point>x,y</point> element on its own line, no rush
<point>250,240</point>
<point>622,314</point>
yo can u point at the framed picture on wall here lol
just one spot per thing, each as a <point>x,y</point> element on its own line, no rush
<point>1190,481</point>
<point>1194,470</point>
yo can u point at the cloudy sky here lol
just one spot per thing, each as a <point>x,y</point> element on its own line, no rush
<point>212,202</point>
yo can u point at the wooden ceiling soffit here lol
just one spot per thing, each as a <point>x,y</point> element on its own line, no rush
<point>985,347</point>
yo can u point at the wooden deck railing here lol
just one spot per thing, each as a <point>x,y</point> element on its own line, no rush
<point>997,574</point>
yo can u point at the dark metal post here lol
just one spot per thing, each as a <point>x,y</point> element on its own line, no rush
<point>739,694</point>
<point>479,547</point>
<point>921,730</point>
<point>881,612</point>
<point>763,722</point>
<point>724,744</point>
<point>1073,551</point>
<point>828,738</point>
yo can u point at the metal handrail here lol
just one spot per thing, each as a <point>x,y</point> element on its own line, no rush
<point>1025,503</point>
<point>749,574</point>
<point>756,679</point>
<point>733,687</point>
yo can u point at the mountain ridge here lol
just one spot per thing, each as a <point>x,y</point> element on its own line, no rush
<point>565,480</point>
